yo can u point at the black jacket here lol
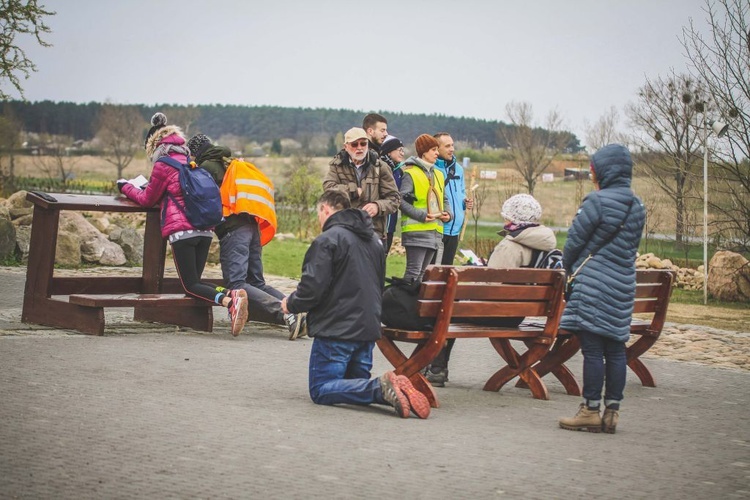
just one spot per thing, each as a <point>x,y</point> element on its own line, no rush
<point>341,287</point>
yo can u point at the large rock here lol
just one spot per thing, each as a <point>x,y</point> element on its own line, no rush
<point>131,242</point>
<point>68,249</point>
<point>729,277</point>
<point>7,239</point>
<point>23,242</point>
<point>18,200</point>
<point>95,247</point>
<point>213,252</point>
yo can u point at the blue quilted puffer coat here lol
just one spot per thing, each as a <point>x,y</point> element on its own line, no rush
<point>604,291</point>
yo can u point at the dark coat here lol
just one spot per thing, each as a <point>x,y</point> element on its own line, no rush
<point>341,287</point>
<point>604,291</point>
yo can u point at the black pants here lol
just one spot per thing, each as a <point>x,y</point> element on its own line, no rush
<point>450,247</point>
<point>190,257</point>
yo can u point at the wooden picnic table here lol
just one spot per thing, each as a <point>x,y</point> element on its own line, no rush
<point>154,297</point>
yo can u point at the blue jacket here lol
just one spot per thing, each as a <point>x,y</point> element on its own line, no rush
<point>604,291</point>
<point>455,189</point>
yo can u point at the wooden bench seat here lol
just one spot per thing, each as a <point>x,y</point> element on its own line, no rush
<point>171,308</point>
<point>456,296</point>
<point>652,293</point>
<point>134,299</point>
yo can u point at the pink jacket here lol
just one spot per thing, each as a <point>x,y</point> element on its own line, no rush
<point>164,180</point>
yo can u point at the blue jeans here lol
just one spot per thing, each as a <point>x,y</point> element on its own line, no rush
<point>340,373</point>
<point>242,267</point>
<point>596,349</point>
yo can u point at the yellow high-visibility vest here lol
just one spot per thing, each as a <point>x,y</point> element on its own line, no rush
<point>421,186</point>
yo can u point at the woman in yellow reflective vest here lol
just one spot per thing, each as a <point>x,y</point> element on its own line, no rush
<point>424,207</point>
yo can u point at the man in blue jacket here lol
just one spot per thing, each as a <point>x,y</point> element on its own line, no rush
<point>341,289</point>
<point>455,189</point>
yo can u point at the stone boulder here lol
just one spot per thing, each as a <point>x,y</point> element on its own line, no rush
<point>95,247</point>
<point>7,240</point>
<point>729,277</point>
<point>213,252</point>
<point>68,249</point>
<point>131,242</point>
<point>23,243</point>
<point>18,200</point>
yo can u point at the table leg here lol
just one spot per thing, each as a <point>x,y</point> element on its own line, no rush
<point>40,266</point>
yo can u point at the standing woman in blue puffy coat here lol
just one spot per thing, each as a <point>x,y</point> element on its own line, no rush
<point>608,228</point>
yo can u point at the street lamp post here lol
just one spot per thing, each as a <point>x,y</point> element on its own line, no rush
<point>719,129</point>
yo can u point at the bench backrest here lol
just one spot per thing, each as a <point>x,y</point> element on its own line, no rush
<point>652,293</point>
<point>481,292</point>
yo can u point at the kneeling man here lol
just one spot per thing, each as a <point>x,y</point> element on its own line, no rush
<point>341,290</point>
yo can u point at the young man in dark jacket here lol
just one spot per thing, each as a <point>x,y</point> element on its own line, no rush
<point>241,251</point>
<point>341,290</point>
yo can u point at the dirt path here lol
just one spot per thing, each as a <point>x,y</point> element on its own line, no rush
<point>716,317</point>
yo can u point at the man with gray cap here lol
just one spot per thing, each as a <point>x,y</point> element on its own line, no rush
<point>359,172</point>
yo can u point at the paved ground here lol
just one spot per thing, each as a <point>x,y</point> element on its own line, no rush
<point>149,411</point>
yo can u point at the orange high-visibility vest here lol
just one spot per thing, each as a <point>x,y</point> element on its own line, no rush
<point>246,189</point>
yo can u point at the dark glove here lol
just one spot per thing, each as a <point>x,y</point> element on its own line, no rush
<point>120,184</point>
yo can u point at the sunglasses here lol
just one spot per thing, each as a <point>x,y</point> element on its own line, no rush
<point>358,144</point>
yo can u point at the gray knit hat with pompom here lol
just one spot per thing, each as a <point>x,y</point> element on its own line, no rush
<point>522,209</point>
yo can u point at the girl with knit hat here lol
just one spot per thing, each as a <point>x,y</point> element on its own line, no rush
<point>424,207</point>
<point>190,245</point>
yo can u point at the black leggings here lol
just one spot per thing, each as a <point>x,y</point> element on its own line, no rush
<point>190,257</point>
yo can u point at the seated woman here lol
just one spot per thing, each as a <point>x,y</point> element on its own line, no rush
<point>523,235</point>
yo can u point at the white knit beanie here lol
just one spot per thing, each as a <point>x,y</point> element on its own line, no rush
<point>522,209</point>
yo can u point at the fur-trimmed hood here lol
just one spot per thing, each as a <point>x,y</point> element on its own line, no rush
<point>160,135</point>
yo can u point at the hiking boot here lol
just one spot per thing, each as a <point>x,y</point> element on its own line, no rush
<point>418,402</point>
<point>609,420</point>
<point>436,376</point>
<point>393,394</point>
<point>237,310</point>
<point>294,322</point>
<point>585,420</point>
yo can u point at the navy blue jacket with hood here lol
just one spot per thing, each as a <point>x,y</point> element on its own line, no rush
<point>604,291</point>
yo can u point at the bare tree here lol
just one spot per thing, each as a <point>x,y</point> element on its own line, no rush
<point>10,129</point>
<point>53,159</point>
<point>533,148</point>
<point>121,134</point>
<point>604,130</point>
<point>302,190</point>
<point>19,18</point>
<point>666,121</point>
<point>183,116</point>
<point>721,60</point>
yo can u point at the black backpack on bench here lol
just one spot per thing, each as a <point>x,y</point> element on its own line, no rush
<point>400,306</point>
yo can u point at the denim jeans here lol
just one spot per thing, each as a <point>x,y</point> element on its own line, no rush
<point>340,373</point>
<point>596,349</point>
<point>242,267</point>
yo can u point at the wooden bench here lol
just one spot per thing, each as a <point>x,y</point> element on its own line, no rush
<point>652,293</point>
<point>449,293</point>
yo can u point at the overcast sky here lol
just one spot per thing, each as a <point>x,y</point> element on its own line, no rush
<point>459,58</point>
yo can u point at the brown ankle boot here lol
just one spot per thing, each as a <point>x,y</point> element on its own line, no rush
<point>609,420</point>
<point>585,420</point>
